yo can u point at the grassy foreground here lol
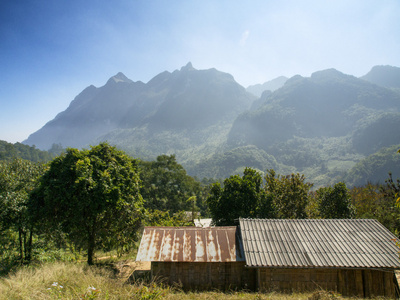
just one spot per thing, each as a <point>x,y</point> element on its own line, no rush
<point>78,281</point>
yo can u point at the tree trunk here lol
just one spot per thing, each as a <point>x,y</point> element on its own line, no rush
<point>29,247</point>
<point>25,253</point>
<point>91,240</point>
<point>21,251</point>
<point>90,251</point>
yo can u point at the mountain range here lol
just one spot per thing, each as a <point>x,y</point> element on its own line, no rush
<point>323,126</point>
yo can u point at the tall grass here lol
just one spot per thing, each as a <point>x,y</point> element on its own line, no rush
<point>63,280</point>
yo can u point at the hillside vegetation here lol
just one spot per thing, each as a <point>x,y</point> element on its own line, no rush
<point>195,141</point>
<point>10,151</point>
<point>92,205</point>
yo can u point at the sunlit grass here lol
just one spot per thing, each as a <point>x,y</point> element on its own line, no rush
<point>63,280</point>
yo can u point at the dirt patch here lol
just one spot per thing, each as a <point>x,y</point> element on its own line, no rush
<point>131,270</point>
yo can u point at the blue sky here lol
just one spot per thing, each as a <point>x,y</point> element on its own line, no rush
<point>51,50</point>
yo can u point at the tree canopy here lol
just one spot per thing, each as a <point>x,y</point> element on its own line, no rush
<point>93,196</point>
<point>289,194</point>
<point>9,151</point>
<point>335,202</point>
<point>18,178</point>
<point>240,196</point>
<point>166,185</point>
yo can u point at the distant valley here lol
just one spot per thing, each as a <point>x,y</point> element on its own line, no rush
<point>330,126</point>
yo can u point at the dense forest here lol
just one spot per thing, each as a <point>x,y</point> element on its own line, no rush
<point>83,201</point>
<point>31,153</point>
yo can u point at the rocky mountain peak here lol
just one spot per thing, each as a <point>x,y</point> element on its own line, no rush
<point>120,77</point>
<point>328,73</point>
<point>188,67</point>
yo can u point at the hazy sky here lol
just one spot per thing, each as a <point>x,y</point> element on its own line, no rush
<point>51,50</point>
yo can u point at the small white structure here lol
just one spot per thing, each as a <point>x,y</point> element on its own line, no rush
<point>202,223</point>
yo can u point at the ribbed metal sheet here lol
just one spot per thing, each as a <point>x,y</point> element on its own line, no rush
<point>190,244</point>
<point>358,243</point>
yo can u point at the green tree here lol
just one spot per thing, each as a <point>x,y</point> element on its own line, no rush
<point>398,194</point>
<point>374,201</point>
<point>10,151</point>
<point>369,201</point>
<point>163,218</point>
<point>289,194</point>
<point>56,149</point>
<point>335,202</point>
<point>240,196</point>
<point>18,178</point>
<point>391,192</point>
<point>379,202</point>
<point>392,188</point>
<point>92,196</point>
<point>166,185</point>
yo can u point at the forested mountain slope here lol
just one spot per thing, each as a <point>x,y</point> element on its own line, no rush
<point>9,151</point>
<point>182,101</point>
<point>321,125</point>
<point>375,168</point>
<point>387,76</point>
<point>192,120</point>
<point>328,104</point>
<point>93,112</point>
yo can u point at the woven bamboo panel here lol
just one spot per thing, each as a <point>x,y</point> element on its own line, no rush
<point>348,282</point>
<point>205,276</point>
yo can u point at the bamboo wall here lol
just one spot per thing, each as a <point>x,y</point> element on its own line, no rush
<point>223,276</point>
<point>234,275</point>
<point>347,282</point>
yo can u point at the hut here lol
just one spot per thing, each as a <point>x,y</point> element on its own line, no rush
<point>196,258</point>
<point>353,257</point>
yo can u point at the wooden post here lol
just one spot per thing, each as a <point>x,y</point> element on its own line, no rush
<point>359,283</point>
<point>367,283</point>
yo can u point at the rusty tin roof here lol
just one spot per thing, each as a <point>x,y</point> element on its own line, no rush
<point>358,243</point>
<point>190,244</point>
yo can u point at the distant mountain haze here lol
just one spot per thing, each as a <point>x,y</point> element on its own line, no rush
<point>185,99</point>
<point>197,99</point>
<point>271,85</point>
<point>321,126</point>
<point>328,104</point>
<point>93,112</point>
<point>386,76</point>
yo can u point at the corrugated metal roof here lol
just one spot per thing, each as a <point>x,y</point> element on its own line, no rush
<point>190,244</point>
<point>356,243</point>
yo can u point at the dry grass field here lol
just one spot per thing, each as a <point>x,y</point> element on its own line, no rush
<point>112,280</point>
